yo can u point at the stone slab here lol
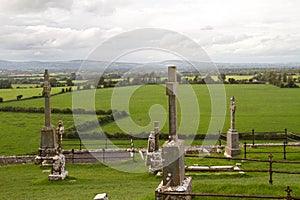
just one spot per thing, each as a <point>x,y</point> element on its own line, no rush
<point>61,176</point>
<point>185,187</point>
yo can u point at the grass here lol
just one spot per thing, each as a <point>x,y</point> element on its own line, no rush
<point>20,132</point>
<point>11,94</point>
<point>262,107</point>
<point>28,181</point>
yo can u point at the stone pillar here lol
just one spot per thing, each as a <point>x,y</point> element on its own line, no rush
<point>173,150</point>
<point>48,143</point>
<point>232,138</point>
<point>156,135</point>
<point>47,95</point>
<point>171,91</point>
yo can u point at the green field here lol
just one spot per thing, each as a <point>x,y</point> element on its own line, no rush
<point>11,94</point>
<point>262,107</point>
<point>86,180</point>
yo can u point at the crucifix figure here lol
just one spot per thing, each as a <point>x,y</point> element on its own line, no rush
<point>232,113</point>
<point>59,132</point>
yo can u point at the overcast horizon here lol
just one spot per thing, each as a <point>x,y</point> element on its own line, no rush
<point>229,31</point>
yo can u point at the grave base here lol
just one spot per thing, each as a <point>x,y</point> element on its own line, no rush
<point>185,187</point>
<point>232,146</point>
<point>54,177</point>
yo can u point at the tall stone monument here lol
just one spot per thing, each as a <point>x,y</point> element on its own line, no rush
<point>173,150</point>
<point>232,145</point>
<point>48,143</point>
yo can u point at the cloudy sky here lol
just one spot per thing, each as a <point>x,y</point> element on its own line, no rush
<point>229,31</point>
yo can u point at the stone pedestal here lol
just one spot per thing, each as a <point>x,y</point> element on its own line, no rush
<point>232,146</point>
<point>48,146</point>
<point>58,168</point>
<point>173,163</point>
<point>185,187</point>
<point>48,141</point>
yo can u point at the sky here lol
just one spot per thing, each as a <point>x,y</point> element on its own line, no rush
<point>248,31</point>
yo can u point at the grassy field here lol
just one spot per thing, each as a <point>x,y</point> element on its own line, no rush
<point>11,94</point>
<point>86,180</point>
<point>262,107</point>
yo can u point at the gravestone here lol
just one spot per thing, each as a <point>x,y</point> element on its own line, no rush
<point>232,138</point>
<point>58,171</point>
<point>154,157</point>
<point>48,144</point>
<point>173,150</point>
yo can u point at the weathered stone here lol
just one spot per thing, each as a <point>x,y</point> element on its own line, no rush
<point>232,138</point>
<point>58,168</point>
<point>156,135</point>
<point>173,150</point>
<point>154,161</point>
<point>232,145</point>
<point>153,156</point>
<point>184,188</point>
<point>151,142</point>
<point>48,143</point>
<point>173,162</point>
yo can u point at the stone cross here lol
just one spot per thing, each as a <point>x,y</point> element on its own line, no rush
<point>232,113</point>
<point>171,91</point>
<point>46,94</point>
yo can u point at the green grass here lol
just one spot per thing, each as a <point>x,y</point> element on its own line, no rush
<point>11,94</point>
<point>20,132</point>
<point>28,182</point>
<point>262,107</point>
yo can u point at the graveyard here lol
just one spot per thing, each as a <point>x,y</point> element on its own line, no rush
<point>263,160</point>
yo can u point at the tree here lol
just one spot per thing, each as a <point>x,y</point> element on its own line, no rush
<point>69,82</point>
<point>231,80</point>
<point>5,84</point>
<point>53,82</point>
<point>222,77</point>
<point>284,79</point>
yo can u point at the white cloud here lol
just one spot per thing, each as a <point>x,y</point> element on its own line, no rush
<point>32,6</point>
<point>230,30</point>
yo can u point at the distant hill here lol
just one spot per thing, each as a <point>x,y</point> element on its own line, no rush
<point>74,65</point>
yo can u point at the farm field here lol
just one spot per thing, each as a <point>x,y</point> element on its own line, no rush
<point>11,94</point>
<point>262,107</point>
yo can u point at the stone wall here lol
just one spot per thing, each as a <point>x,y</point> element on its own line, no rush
<point>10,160</point>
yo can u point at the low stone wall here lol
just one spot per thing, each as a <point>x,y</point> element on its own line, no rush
<point>10,160</point>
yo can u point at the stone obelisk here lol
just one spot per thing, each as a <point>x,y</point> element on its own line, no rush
<point>173,149</point>
<point>48,143</point>
<point>232,144</point>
